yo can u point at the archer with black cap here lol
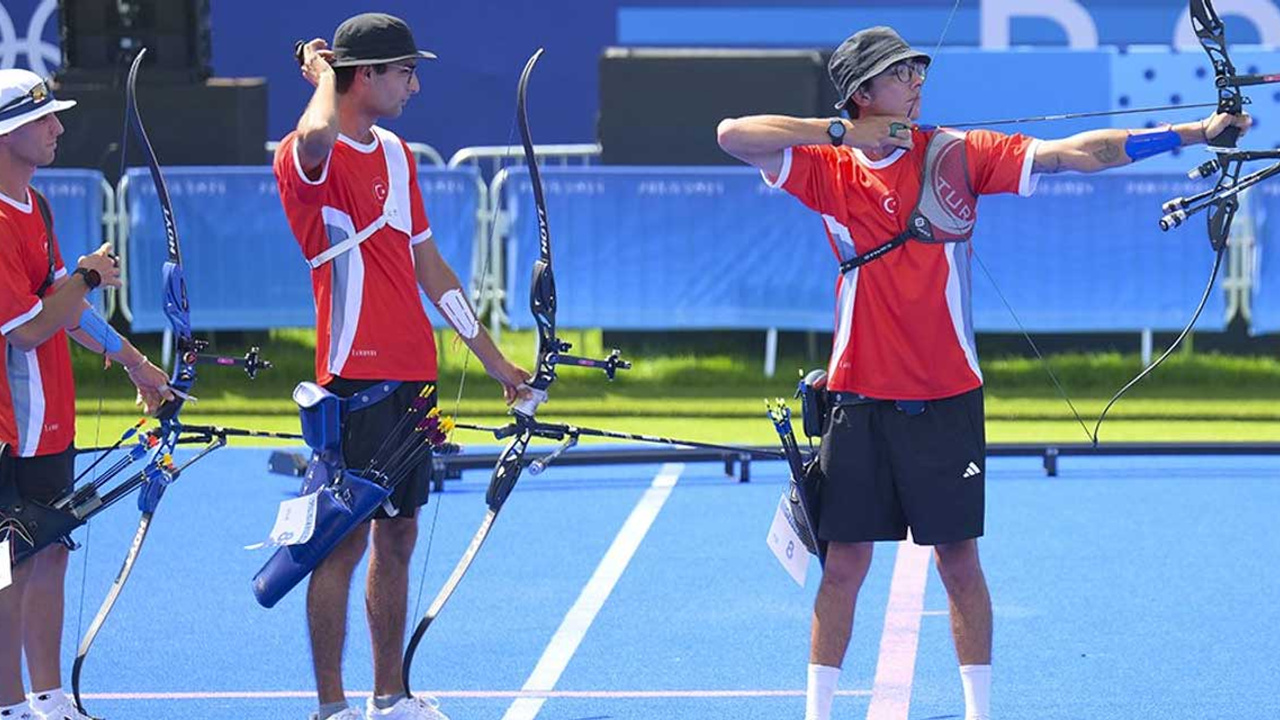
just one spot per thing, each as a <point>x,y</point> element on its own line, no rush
<point>350,191</point>
<point>904,447</point>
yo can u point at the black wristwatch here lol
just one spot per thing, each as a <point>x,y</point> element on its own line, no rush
<point>91,277</point>
<point>836,131</point>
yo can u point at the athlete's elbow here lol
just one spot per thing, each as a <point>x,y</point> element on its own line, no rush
<point>730,135</point>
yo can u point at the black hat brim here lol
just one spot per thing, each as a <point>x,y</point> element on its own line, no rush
<point>355,62</point>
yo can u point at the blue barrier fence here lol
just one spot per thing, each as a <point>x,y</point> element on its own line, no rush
<point>1265,298</point>
<point>78,200</point>
<point>695,248</point>
<point>690,248</point>
<point>244,269</point>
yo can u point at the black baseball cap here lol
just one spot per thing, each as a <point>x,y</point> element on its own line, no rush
<point>866,54</point>
<point>374,39</point>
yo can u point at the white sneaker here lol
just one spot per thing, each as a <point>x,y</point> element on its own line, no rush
<point>348,714</point>
<point>21,712</point>
<point>418,707</point>
<point>66,710</point>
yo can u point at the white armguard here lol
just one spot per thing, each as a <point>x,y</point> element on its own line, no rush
<point>457,310</point>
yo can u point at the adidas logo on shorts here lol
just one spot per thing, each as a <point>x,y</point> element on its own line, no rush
<point>972,471</point>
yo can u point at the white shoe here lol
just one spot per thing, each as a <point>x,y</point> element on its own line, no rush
<point>418,707</point>
<point>348,714</point>
<point>20,713</point>
<point>66,710</point>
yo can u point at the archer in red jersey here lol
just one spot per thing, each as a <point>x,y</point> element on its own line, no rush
<point>904,446</point>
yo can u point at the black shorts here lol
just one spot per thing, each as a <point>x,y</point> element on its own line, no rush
<point>887,470</point>
<point>368,429</point>
<point>43,478</point>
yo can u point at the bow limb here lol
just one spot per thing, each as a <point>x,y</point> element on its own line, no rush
<point>159,471</point>
<point>542,304</point>
<point>505,474</point>
<point>1211,32</point>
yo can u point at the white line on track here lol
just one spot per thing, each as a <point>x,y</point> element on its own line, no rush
<point>896,668</point>
<point>555,658</point>
<point>469,694</point>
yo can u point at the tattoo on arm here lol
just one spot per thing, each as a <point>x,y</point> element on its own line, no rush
<point>1047,162</point>
<point>1108,153</point>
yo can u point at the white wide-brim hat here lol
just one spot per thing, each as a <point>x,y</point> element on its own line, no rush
<point>24,98</point>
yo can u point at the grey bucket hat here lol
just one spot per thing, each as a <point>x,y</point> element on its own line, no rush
<point>864,55</point>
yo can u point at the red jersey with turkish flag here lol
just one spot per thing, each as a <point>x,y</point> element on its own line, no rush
<point>904,322</point>
<point>370,322</point>
<point>37,390</point>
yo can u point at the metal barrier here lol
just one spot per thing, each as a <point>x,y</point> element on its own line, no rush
<point>491,158</point>
<point>112,296</point>
<point>488,289</point>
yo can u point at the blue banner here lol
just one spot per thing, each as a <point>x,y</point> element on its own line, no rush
<point>244,270</point>
<point>700,248</point>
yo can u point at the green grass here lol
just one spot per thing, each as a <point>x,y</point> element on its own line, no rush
<point>718,398</point>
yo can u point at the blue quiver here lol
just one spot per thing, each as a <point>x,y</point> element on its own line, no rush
<point>321,414</point>
<point>345,498</point>
<point>342,505</point>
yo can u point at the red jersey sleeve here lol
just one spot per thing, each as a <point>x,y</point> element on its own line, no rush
<point>291,179</point>
<point>1000,163</point>
<point>812,173</point>
<point>421,225</point>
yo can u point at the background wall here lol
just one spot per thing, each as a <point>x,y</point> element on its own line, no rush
<point>467,96</point>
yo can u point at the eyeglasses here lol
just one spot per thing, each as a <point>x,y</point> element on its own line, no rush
<point>36,95</point>
<point>906,71</point>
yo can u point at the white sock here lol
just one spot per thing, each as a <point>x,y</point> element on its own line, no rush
<point>821,692</point>
<point>976,680</point>
<point>44,702</point>
<point>21,711</point>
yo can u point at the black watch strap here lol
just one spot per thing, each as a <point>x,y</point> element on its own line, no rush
<point>91,277</point>
<point>836,130</point>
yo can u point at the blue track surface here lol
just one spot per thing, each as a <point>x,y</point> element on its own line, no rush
<point>1126,588</point>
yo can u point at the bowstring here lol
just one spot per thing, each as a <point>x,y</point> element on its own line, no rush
<point>102,387</point>
<point>1044,362</point>
<point>466,361</point>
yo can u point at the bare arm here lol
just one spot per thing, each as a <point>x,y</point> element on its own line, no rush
<point>1097,150</point>
<point>61,306</point>
<point>59,309</point>
<point>760,140</point>
<point>436,279</point>
<point>318,126</point>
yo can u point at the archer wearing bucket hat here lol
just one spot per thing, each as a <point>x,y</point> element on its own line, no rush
<point>866,54</point>
<point>903,452</point>
<point>350,192</point>
<point>43,302</point>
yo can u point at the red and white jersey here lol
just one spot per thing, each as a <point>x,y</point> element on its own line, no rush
<point>37,390</point>
<point>370,323</point>
<point>904,322</point>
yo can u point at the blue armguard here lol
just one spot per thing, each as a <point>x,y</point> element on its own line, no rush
<point>1145,145</point>
<point>97,328</point>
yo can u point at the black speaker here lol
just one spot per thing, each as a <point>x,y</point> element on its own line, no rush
<point>100,37</point>
<point>661,106</point>
<point>220,122</point>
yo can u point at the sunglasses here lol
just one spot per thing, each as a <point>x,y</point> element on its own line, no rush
<point>36,95</point>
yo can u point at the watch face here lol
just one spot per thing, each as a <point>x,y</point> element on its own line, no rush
<point>836,129</point>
